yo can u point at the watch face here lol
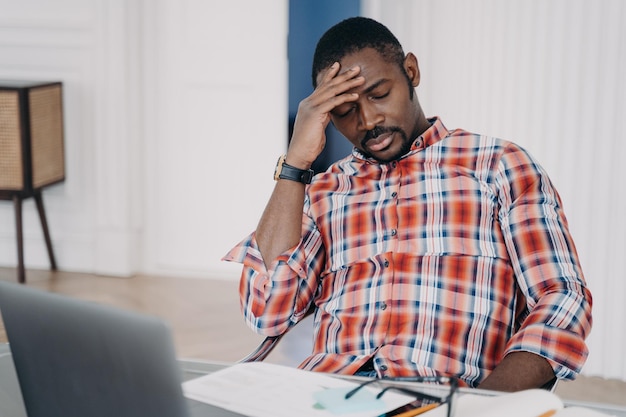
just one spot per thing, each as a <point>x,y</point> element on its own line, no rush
<point>279,167</point>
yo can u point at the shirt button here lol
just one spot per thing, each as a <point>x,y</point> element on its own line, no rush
<point>383,306</point>
<point>394,232</point>
<point>383,368</point>
<point>394,194</point>
<point>386,263</point>
<point>394,164</point>
<point>418,143</point>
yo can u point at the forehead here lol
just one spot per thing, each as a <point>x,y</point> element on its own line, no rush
<point>373,65</point>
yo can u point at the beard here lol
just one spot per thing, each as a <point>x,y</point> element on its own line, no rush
<point>377,131</point>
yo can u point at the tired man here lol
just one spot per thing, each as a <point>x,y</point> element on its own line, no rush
<point>427,251</point>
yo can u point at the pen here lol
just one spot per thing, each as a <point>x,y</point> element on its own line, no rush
<point>420,410</point>
<point>548,413</point>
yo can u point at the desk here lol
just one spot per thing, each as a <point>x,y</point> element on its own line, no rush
<point>11,397</point>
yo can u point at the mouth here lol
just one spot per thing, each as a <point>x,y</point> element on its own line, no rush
<point>380,142</point>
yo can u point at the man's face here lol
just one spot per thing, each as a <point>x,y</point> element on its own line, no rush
<point>383,122</point>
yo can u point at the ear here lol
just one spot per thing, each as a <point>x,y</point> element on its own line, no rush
<point>412,69</point>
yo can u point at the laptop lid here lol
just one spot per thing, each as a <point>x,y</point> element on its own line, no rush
<point>77,358</point>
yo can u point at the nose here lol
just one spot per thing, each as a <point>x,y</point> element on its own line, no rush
<point>369,116</point>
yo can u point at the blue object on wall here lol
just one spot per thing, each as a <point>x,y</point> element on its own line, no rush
<point>308,20</point>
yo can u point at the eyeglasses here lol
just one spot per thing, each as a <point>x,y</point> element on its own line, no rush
<point>447,385</point>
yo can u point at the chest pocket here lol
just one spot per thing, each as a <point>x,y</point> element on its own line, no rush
<point>456,215</point>
<point>357,228</point>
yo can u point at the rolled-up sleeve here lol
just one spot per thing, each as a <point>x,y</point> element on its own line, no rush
<point>556,317</point>
<point>276,297</point>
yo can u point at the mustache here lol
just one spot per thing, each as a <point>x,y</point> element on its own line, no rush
<point>377,131</point>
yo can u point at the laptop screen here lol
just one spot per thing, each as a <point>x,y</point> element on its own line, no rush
<point>77,358</point>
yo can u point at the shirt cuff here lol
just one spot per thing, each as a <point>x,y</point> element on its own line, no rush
<point>564,350</point>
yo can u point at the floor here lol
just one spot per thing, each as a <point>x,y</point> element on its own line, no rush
<point>206,323</point>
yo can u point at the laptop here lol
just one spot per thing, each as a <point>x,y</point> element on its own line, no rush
<point>77,358</point>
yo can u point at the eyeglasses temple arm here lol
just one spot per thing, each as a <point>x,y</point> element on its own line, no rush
<point>416,394</point>
<point>355,390</point>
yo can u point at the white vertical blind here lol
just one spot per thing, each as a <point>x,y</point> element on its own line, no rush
<point>548,75</point>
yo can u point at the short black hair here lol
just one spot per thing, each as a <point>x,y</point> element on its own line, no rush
<point>352,35</point>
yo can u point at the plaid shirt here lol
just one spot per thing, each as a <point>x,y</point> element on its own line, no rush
<point>439,263</point>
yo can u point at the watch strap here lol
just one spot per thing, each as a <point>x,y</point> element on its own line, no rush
<point>285,171</point>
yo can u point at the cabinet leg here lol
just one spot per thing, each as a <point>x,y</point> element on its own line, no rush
<point>44,225</point>
<point>21,273</point>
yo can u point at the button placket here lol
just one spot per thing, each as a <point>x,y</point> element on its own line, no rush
<point>395,177</point>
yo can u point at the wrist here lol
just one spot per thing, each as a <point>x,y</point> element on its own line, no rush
<point>285,171</point>
<point>298,163</point>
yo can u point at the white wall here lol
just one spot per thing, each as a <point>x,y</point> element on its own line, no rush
<point>216,122</point>
<point>175,113</point>
<point>548,75</point>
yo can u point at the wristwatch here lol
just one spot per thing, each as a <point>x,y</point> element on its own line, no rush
<point>284,171</point>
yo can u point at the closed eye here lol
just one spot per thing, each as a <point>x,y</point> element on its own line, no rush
<point>343,112</point>
<point>380,96</point>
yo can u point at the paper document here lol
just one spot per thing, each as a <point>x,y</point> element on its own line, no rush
<point>528,403</point>
<point>261,389</point>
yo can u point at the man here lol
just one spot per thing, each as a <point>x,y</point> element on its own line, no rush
<point>426,251</point>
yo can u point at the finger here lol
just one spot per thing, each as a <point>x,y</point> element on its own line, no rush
<point>342,77</point>
<point>329,73</point>
<point>332,71</point>
<point>334,85</point>
<point>343,82</point>
<point>333,76</point>
<point>336,93</point>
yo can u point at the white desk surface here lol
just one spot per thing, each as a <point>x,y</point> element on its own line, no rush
<point>11,400</point>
